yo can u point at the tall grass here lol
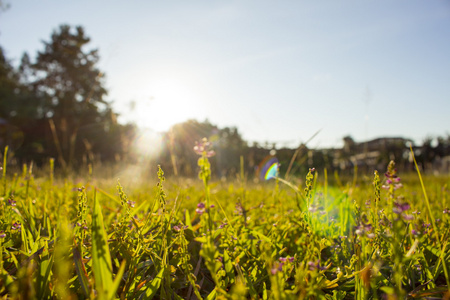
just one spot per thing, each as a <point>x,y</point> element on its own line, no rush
<point>365,239</point>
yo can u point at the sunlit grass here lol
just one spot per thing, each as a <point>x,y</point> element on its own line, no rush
<point>363,238</point>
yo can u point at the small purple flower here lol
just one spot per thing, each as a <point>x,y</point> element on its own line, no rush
<point>16,226</point>
<point>131,203</point>
<point>415,232</point>
<point>223,225</point>
<point>12,202</point>
<point>176,228</point>
<point>200,208</point>
<point>203,148</point>
<point>2,234</point>
<point>212,206</point>
<point>446,211</point>
<point>315,266</point>
<point>418,268</point>
<point>277,267</point>
<point>397,186</point>
<point>400,207</point>
<point>407,217</point>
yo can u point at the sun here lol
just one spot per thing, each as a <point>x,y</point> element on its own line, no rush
<point>168,102</point>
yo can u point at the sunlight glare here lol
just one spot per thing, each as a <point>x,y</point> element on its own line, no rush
<point>170,102</point>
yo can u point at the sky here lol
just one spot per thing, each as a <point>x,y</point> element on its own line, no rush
<point>279,71</point>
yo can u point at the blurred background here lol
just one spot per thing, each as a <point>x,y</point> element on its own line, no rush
<point>334,84</point>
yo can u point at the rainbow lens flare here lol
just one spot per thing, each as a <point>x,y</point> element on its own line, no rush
<point>268,168</point>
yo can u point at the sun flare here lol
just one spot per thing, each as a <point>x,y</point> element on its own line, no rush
<point>169,102</point>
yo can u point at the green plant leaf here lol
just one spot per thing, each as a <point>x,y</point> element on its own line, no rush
<point>101,258</point>
<point>154,285</point>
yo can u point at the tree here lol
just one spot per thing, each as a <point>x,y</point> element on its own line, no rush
<point>69,88</point>
<point>9,82</point>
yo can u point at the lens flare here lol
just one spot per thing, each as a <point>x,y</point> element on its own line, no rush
<point>268,168</point>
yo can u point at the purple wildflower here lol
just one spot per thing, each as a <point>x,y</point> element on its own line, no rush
<point>277,267</point>
<point>16,226</point>
<point>223,225</point>
<point>286,259</point>
<point>397,186</point>
<point>415,232</point>
<point>315,266</point>
<point>401,207</point>
<point>2,234</point>
<point>176,228</point>
<point>407,217</point>
<point>200,208</point>
<point>12,202</point>
<point>203,148</point>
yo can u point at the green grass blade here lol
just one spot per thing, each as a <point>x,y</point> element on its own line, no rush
<point>154,285</point>
<point>116,282</point>
<point>433,222</point>
<point>81,272</point>
<point>101,258</point>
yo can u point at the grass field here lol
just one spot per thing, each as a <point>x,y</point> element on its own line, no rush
<point>372,237</point>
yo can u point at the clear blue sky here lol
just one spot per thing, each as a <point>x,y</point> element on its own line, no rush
<point>277,70</point>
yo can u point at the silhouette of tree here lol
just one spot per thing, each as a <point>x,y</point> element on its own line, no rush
<point>69,93</point>
<point>9,82</point>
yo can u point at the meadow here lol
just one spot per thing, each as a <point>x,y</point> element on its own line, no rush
<point>374,236</point>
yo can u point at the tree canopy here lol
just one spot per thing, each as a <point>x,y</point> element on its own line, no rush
<point>58,101</point>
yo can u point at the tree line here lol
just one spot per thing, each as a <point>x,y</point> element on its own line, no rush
<point>54,106</point>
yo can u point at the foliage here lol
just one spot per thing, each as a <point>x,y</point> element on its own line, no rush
<point>57,105</point>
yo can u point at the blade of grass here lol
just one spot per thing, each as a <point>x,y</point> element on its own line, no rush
<point>81,272</point>
<point>115,285</point>
<point>101,258</point>
<point>154,285</point>
<point>435,229</point>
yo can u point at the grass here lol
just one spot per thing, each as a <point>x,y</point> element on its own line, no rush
<point>369,238</point>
